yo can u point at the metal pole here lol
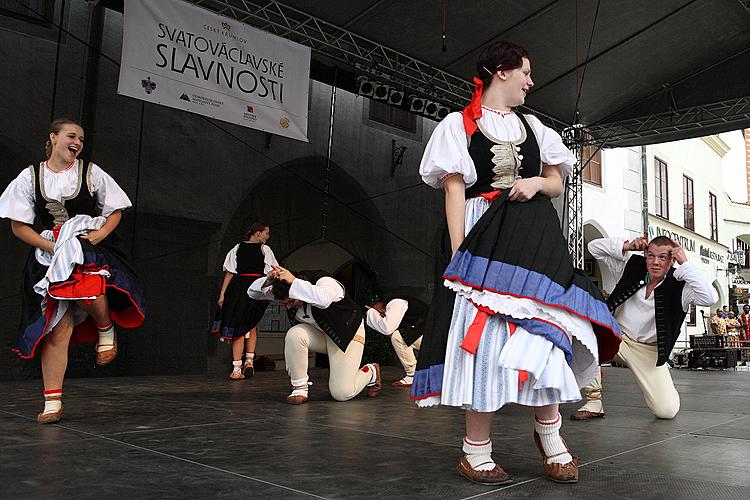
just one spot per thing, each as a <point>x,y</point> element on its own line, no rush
<point>137,184</point>
<point>644,191</point>
<point>324,225</point>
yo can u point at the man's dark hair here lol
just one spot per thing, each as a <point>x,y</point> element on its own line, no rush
<point>662,241</point>
<point>280,290</point>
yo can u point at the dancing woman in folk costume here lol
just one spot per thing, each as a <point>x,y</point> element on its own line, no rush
<point>76,282</point>
<point>238,314</point>
<point>514,321</point>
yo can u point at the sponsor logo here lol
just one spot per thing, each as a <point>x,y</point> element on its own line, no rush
<point>250,109</point>
<point>148,85</point>
<point>185,97</point>
<point>226,26</point>
<point>284,122</point>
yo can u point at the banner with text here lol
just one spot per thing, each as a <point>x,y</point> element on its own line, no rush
<point>186,57</point>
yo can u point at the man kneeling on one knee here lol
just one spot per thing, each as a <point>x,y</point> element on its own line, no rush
<point>650,301</point>
<point>327,321</point>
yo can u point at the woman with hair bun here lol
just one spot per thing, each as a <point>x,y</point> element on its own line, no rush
<point>238,314</point>
<point>512,321</point>
<point>77,283</point>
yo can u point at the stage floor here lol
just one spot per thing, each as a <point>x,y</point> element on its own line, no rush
<point>207,437</point>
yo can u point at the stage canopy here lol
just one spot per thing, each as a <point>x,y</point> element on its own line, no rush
<point>647,71</point>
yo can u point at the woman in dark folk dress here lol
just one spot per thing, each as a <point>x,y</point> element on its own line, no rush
<point>238,314</point>
<point>77,283</point>
<point>511,320</point>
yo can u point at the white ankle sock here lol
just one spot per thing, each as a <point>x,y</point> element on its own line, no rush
<point>52,401</point>
<point>237,366</point>
<point>479,454</point>
<point>299,392</point>
<point>299,387</point>
<point>408,379</point>
<point>106,337</point>
<point>549,434</point>
<point>249,356</point>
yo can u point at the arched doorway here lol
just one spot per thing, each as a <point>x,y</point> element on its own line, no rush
<point>597,271</point>
<point>292,199</point>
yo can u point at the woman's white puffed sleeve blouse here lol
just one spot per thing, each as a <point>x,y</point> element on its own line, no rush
<point>447,152</point>
<point>17,201</point>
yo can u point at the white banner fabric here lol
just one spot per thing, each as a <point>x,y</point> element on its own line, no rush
<point>185,57</point>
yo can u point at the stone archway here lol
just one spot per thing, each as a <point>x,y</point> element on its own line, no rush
<point>290,198</point>
<point>597,271</point>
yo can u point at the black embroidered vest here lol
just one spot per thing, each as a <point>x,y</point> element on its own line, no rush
<point>340,321</point>
<point>481,154</point>
<point>51,213</point>
<point>250,258</point>
<point>668,311</point>
<point>412,325</point>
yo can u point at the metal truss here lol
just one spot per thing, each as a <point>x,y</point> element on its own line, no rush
<point>745,4</point>
<point>362,54</point>
<point>573,208</point>
<point>734,113</point>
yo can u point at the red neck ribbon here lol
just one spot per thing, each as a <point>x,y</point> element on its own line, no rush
<point>473,111</point>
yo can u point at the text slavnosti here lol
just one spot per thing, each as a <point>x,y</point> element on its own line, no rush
<point>207,64</point>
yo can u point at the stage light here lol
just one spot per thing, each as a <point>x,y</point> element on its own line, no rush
<point>442,112</point>
<point>381,91</point>
<point>365,87</point>
<point>416,104</point>
<point>395,97</point>
<point>430,109</point>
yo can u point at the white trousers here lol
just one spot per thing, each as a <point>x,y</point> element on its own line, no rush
<point>345,379</point>
<point>655,381</point>
<point>405,353</point>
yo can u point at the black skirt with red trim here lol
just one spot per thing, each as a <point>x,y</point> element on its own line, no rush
<point>127,306</point>
<point>239,314</point>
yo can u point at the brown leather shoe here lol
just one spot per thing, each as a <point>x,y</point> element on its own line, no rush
<point>559,473</point>
<point>374,389</point>
<point>296,400</point>
<point>106,357</point>
<point>585,415</point>
<point>400,383</point>
<point>52,417</point>
<point>494,477</point>
<point>236,376</point>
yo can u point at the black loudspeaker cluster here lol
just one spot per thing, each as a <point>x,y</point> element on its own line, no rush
<point>396,96</point>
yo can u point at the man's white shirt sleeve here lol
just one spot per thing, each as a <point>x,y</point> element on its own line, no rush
<point>389,323</point>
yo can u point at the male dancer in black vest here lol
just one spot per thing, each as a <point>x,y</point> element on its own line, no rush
<point>650,302</point>
<point>327,321</point>
<point>403,322</point>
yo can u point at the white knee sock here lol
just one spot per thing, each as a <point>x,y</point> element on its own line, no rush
<point>549,434</point>
<point>479,454</point>
<point>52,401</point>
<point>237,366</point>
